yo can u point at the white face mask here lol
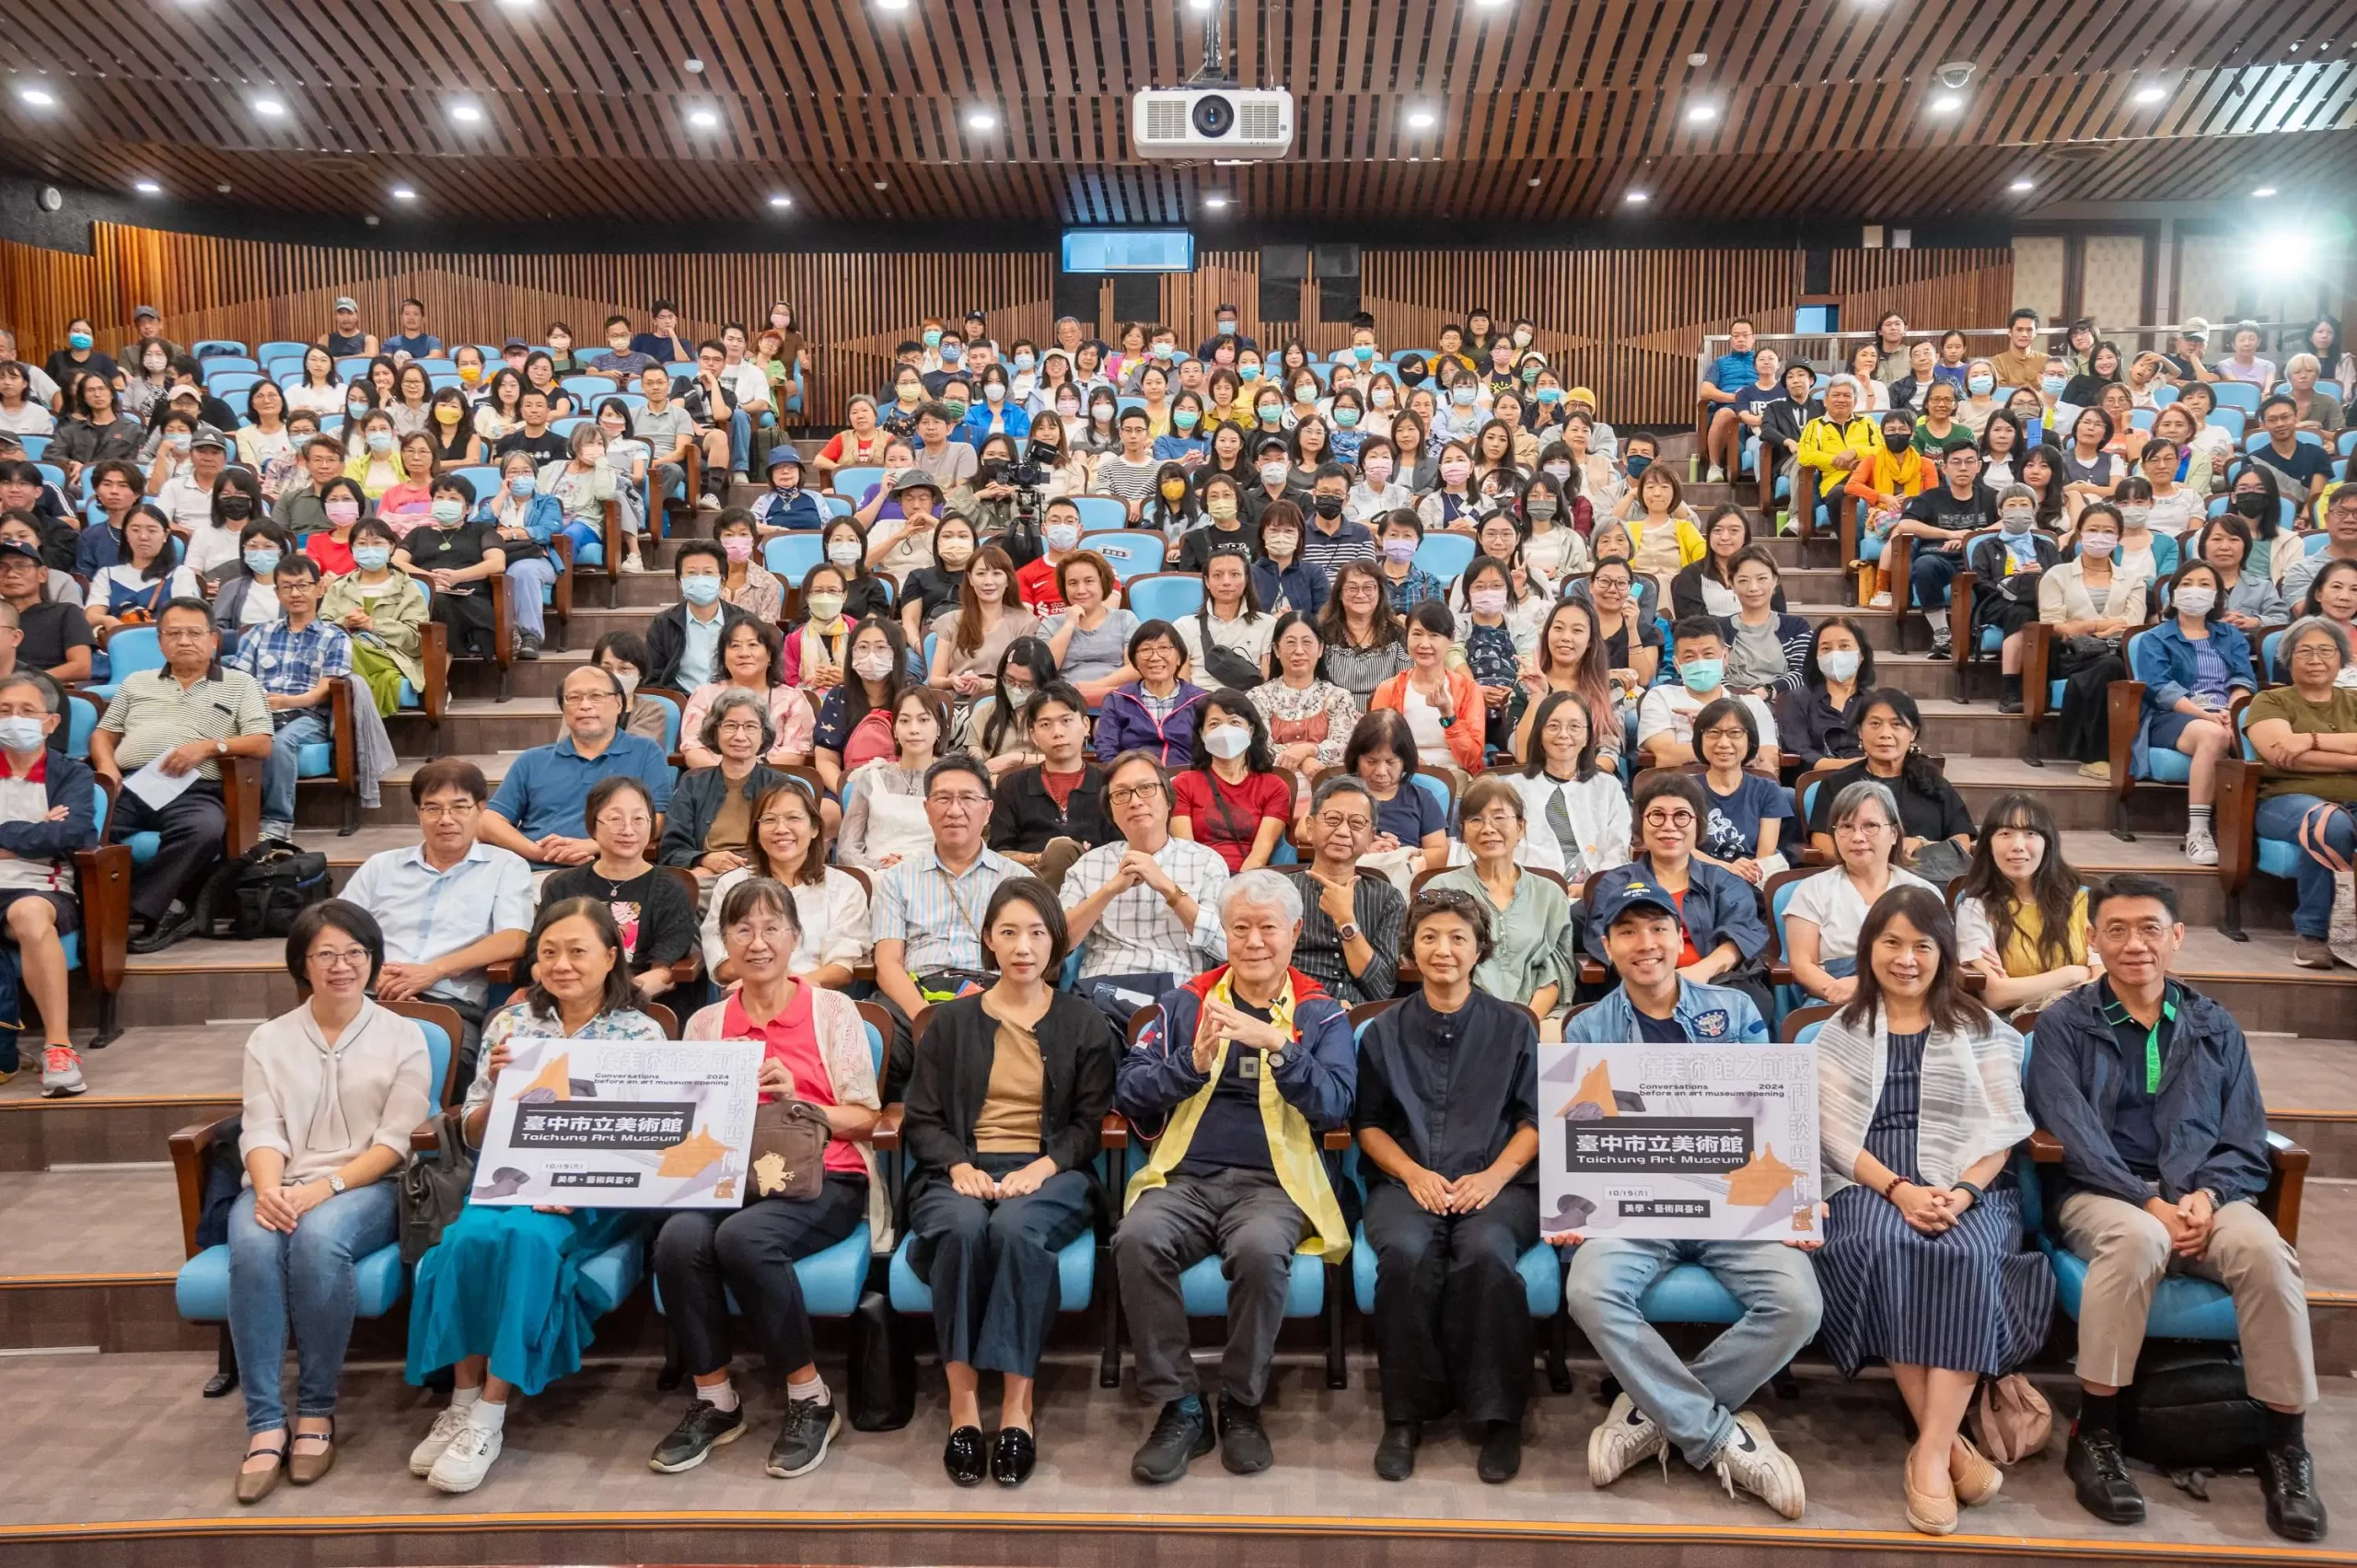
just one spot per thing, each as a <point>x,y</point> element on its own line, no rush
<point>1274,474</point>
<point>1228,742</point>
<point>872,666</point>
<point>2196,601</point>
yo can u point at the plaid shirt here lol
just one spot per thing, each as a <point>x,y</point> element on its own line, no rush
<point>290,663</point>
<point>1138,933</point>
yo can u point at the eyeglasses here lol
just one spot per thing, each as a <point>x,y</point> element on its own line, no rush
<point>1669,819</point>
<point>1128,792</point>
<point>1334,824</point>
<point>613,820</point>
<point>966,801</point>
<point>341,957</point>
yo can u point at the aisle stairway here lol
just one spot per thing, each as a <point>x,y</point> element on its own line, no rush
<point>89,1227</point>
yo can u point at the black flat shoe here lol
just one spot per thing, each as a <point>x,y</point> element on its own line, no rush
<point>1395,1452</point>
<point>966,1457</point>
<point>1013,1457</point>
<point>164,934</point>
<point>1501,1457</point>
<point>2288,1477</point>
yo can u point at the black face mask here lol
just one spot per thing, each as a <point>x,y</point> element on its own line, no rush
<point>990,469</point>
<point>237,508</point>
<point>2253,503</point>
<point>1329,506</point>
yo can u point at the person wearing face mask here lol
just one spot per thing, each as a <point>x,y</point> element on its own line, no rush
<point>2092,605</point>
<point>1036,582</point>
<point>1223,528</point>
<point>684,639</point>
<point>2196,664</point>
<point>1890,476</point>
<point>1461,416</point>
<point>455,557</point>
<point>1379,491</point>
<point>149,574</point>
<point>234,501</point>
<point>748,584</point>
<point>1272,470</point>
<point>1231,799</point>
<point>1283,578</point>
<point>1100,433</point>
<point>2009,568</point>
<point>383,612</point>
<point>1665,716</point>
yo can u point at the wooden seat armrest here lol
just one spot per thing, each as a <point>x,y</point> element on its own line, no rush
<point>2287,1183</point>
<point>886,1134</point>
<point>2236,822</point>
<point>1113,1133</point>
<point>241,802</point>
<point>501,973</point>
<point>1591,971</point>
<point>102,876</point>
<point>2038,650</point>
<point>1335,1141</point>
<point>2124,712</point>
<point>188,1149</point>
<point>425,1137</point>
<point>2045,1147</point>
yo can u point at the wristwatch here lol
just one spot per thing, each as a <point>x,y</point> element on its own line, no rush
<point>335,1183</point>
<point>220,749</point>
<point>1347,932</point>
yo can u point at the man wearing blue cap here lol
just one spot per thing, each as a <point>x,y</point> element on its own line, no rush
<point>1662,1402</point>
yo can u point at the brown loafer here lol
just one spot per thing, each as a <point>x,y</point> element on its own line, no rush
<point>303,1468</point>
<point>255,1485</point>
<point>1975,1479</point>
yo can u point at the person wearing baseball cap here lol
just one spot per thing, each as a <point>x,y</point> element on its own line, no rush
<point>344,339</point>
<point>2192,343</point>
<point>1602,440</point>
<point>148,323</point>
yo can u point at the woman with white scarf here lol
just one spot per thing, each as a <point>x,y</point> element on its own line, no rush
<point>333,1091</point>
<point>1920,1103</point>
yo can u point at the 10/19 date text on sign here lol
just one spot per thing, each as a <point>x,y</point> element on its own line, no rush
<point>1677,1142</point>
<point>613,1124</point>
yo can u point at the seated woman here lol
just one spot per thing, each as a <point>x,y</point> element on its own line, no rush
<point>1089,639</point>
<point>884,816</point>
<point>815,652</point>
<point>2331,596</point>
<point>832,905</point>
<point>983,619</point>
<point>383,612</point>
<point>1921,1104</point>
<point>1529,957</point>
<point>1411,826</point>
<point>524,522</point>
<point>1570,657</point>
<point>855,724</point>
<point>581,482</point>
<point>995,727</point>
<point>1366,642</point>
<point>1452,1200</point>
<point>1230,622</point>
<point>1158,711</point>
<point>1569,795</point>
<point>1725,938</point>
<point>374,458</point>
<point>455,558</point>
<point>1885,480</point>
<point>2305,734</point>
<point>748,584</point>
<point>2246,599</point>
<point>865,593</point>
<point>1822,922</point>
<point>333,1091</point>
<point>145,574</point>
<point>929,593</point>
<point>1486,647</point>
<point>1230,798</point>
<point>2021,916</point>
<point>1934,821</point>
<point>2088,601</point>
<point>709,825</point>
<point>1009,1090</point>
<point>1767,649</point>
<point>1309,717</point>
<point>2143,551</point>
<point>656,916</point>
<point>1707,587</point>
<point>750,662</point>
<point>1443,705</point>
<point>1745,829</point>
<point>500,1299</point>
<point>343,505</point>
<point>1820,721</point>
<point>2199,665</point>
<point>814,1052</point>
<point>406,502</point>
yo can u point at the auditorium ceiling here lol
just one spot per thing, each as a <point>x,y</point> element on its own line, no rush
<point>1410,111</point>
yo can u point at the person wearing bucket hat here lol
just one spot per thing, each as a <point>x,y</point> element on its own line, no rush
<point>1602,440</point>
<point>787,507</point>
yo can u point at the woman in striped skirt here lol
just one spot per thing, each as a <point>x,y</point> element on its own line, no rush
<point>1920,1101</point>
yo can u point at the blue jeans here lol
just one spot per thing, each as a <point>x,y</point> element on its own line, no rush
<point>302,1280</point>
<point>2279,818</point>
<point>306,726</point>
<point>740,440</point>
<point>1695,1405</point>
<point>1931,572</point>
<point>525,581</point>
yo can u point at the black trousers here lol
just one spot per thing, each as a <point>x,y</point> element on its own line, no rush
<point>192,828</point>
<point>1452,1321</point>
<point>2083,728</point>
<point>992,1265</point>
<point>702,1255</point>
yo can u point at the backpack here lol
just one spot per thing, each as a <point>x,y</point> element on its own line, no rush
<point>259,893</point>
<point>2189,1411</point>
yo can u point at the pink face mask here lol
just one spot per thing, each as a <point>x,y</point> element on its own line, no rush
<point>1456,473</point>
<point>738,546</point>
<point>343,512</point>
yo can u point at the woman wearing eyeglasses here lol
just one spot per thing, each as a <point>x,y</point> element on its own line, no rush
<point>1725,939</point>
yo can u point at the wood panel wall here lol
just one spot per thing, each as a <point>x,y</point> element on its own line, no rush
<point>1625,322</point>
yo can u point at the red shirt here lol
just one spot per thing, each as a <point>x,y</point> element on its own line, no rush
<point>1037,584</point>
<point>1687,955</point>
<point>792,1038</point>
<point>1060,786</point>
<point>335,559</point>
<point>1227,816</point>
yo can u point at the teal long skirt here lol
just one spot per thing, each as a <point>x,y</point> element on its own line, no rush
<point>507,1283</point>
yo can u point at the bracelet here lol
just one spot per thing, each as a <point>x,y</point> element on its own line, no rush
<point>1968,1187</point>
<point>1896,1183</point>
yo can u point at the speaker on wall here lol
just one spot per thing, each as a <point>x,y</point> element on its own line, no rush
<point>1338,281</point>
<point>1076,296</point>
<point>1284,268</point>
<point>1137,296</point>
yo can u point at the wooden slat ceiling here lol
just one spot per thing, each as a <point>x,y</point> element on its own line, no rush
<point>1545,109</point>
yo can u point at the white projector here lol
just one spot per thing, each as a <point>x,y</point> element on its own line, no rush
<point>1232,124</point>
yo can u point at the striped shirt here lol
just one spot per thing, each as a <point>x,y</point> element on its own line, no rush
<point>152,713</point>
<point>1139,932</point>
<point>1330,552</point>
<point>1377,910</point>
<point>937,912</point>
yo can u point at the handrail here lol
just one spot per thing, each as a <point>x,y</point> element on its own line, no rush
<point>1713,342</point>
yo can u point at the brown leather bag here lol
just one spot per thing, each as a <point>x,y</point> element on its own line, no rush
<point>789,1155</point>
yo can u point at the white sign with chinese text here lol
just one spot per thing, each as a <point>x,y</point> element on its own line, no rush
<point>621,1124</point>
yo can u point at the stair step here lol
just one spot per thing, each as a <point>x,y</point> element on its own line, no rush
<point>144,1087</point>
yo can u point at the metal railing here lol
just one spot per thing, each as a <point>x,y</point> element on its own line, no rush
<point>1813,347</point>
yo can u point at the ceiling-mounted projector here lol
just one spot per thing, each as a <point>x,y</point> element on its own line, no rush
<point>1232,124</point>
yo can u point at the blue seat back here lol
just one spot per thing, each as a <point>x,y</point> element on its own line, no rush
<point>1445,556</point>
<point>670,721</point>
<point>485,477</point>
<point>1100,514</point>
<point>215,348</point>
<point>1165,596</point>
<point>36,447</point>
<point>438,1061</point>
<point>1132,552</point>
<point>81,718</point>
<point>2235,395</point>
<point>856,481</point>
<point>1437,790</point>
<point>589,387</point>
<point>792,555</point>
<point>131,649</point>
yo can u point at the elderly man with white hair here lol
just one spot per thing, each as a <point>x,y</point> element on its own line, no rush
<point>1241,1069</point>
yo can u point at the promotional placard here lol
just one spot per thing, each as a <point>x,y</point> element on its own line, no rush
<point>621,1124</point>
<point>1679,1142</point>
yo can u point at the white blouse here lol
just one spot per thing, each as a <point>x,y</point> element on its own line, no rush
<point>1832,904</point>
<point>832,914</point>
<point>323,1107</point>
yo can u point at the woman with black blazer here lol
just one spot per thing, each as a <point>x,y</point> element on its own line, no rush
<point>1003,1114</point>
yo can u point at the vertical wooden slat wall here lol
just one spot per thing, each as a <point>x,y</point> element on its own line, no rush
<point>1625,322</point>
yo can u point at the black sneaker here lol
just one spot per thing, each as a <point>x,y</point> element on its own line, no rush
<point>1394,1454</point>
<point>2287,1476</point>
<point>1501,1458</point>
<point>1243,1443</point>
<point>528,645</point>
<point>704,1427</point>
<point>802,1442</point>
<point>2097,1469</point>
<point>1179,1434</point>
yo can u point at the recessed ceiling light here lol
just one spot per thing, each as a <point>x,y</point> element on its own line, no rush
<point>981,120</point>
<point>37,97</point>
<point>1536,179</point>
<point>882,183</point>
<point>1422,120</point>
<point>518,5</point>
<point>2151,94</point>
<point>269,108</point>
<point>703,119</point>
<point>2025,184</point>
<point>466,113</point>
<point>1215,202</point>
<point>891,4</point>
<point>1489,4</point>
<point>781,202</point>
<point>692,66</point>
<point>1701,114</point>
<point>146,187</point>
<point>1200,5</point>
<point>1636,198</point>
<point>403,193</point>
<point>1947,103</point>
<point>2264,192</point>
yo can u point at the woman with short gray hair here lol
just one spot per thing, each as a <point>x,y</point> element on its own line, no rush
<point>1827,911</point>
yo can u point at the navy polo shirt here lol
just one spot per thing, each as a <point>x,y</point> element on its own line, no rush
<point>547,788</point>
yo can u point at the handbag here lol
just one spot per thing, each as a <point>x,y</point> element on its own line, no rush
<point>435,1184</point>
<point>789,1152</point>
<point>2011,1420</point>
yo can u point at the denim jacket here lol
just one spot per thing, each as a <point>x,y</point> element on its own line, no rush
<point>2164,662</point>
<point>1706,1013</point>
<point>1719,906</point>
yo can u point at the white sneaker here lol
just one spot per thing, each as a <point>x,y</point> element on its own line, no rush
<point>1717,475</point>
<point>707,502</point>
<point>2200,847</point>
<point>1751,1459</point>
<point>467,1459</point>
<point>1880,601</point>
<point>634,565</point>
<point>1623,1440</point>
<point>446,1425</point>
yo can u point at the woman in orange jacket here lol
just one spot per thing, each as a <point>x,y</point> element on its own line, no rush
<point>1444,705</point>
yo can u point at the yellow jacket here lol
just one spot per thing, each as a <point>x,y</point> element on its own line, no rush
<point>1822,440</point>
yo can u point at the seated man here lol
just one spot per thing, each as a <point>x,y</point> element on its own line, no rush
<point>53,636</point>
<point>48,809</point>
<point>1047,816</point>
<point>2150,1087</point>
<point>683,640</point>
<point>1147,903</point>
<point>537,813</point>
<point>299,660</point>
<point>449,905</point>
<point>1723,930</point>
<point>1665,716</point>
<point>1350,926</point>
<point>184,719</point>
<point>1242,1068</point>
<point>1663,1401</point>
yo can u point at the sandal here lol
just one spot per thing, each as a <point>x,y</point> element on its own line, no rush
<point>255,1485</point>
<point>303,1469</point>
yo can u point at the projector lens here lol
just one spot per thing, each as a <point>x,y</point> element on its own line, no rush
<point>1214,115</point>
